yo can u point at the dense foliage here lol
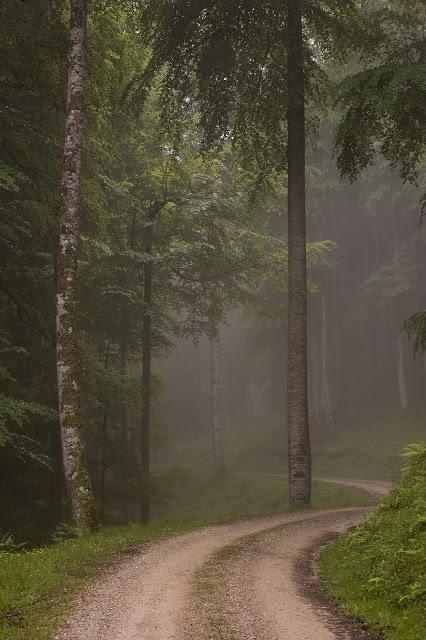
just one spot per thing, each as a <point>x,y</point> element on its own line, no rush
<point>184,200</point>
<point>218,241</point>
<point>378,571</point>
<point>384,103</point>
<point>211,250</point>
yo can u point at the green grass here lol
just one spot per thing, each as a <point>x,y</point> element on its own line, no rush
<point>368,451</point>
<point>245,496</point>
<point>363,450</point>
<point>37,587</point>
<point>378,571</point>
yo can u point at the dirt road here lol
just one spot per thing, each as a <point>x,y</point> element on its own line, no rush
<point>244,581</point>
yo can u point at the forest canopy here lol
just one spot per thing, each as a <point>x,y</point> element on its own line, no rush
<point>182,251</point>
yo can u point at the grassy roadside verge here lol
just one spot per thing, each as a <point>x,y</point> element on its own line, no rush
<point>367,448</point>
<point>37,587</point>
<point>377,573</point>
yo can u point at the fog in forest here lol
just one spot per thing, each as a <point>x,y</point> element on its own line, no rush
<point>367,395</point>
<point>158,246</point>
<point>212,319</point>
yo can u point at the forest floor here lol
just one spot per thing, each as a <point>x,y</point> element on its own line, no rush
<point>250,580</point>
<point>39,586</point>
<point>369,448</point>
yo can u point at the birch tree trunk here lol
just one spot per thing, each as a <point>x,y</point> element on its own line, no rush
<point>216,404</point>
<point>325,388</point>
<point>299,454</point>
<point>402,386</point>
<point>74,459</point>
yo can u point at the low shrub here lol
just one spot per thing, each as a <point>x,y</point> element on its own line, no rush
<point>378,571</point>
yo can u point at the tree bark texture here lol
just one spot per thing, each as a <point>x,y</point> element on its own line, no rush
<point>146,374</point>
<point>325,387</point>
<point>216,404</point>
<point>299,454</point>
<point>74,459</point>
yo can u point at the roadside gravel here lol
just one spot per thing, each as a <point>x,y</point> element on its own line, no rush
<point>231,582</point>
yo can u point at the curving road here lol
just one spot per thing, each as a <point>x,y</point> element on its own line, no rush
<point>249,580</point>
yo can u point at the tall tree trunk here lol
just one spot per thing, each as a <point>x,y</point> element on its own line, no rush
<point>315,380</point>
<point>74,459</point>
<point>216,404</point>
<point>402,386</point>
<point>325,388</point>
<point>104,449</point>
<point>299,454</point>
<point>249,399</point>
<point>146,374</point>
<point>103,467</point>
<point>124,373</point>
<point>124,411</point>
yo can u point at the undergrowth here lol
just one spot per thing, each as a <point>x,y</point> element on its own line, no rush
<point>378,571</point>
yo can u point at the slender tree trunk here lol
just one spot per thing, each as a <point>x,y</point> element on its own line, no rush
<point>402,386</point>
<point>74,459</point>
<point>104,450</point>
<point>124,373</point>
<point>297,383</point>
<point>124,410</point>
<point>216,404</point>
<point>103,467</point>
<point>325,388</point>
<point>56,476</point>
<point>316,380</point>
<point>249,399</point>
<point>146,375</point>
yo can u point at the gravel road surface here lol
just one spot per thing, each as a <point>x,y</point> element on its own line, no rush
<point>248,580</point>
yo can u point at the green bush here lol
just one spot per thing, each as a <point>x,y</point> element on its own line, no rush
<point>378,571</point>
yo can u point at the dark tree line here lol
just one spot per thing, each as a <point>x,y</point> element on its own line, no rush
<point>193,123</point>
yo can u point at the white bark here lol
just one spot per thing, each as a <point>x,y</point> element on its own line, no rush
<point>402,387</point>
<point>325,389</point>
<point>216,403</point>
<point>75,466</point>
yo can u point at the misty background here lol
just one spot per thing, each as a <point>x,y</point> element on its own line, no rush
<point>367,390</point>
